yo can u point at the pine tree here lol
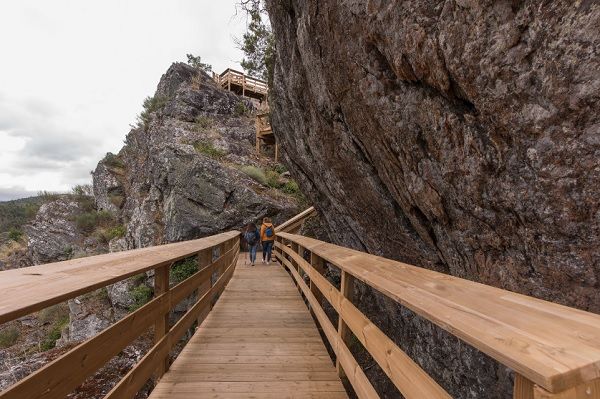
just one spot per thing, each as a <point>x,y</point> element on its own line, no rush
<point>257,43</point>
<point>196,62</point>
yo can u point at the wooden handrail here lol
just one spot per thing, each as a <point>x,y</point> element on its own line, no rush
<point>294,223</point>
<point>48,284</point>
<point>554,350</point>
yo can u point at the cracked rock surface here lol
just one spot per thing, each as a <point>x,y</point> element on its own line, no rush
<point>461,136</point>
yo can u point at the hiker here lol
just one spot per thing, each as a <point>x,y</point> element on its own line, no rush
<point>267,237</point>
<point>252,238</point>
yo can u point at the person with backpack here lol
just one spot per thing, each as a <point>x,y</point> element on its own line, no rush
<point>252,238</point>
<point>267,238</point>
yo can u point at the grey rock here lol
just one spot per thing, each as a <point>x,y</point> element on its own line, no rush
<point>457,136</point>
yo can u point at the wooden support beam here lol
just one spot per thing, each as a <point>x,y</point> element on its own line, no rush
<point>204,260</point>
<point>319,265</point>
<point>588,390</point>
<point>523,388</point>
<point>161,327</point>
<point>347,291</point>
<point>276,151</point>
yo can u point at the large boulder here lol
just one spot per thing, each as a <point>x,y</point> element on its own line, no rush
<point>461,136</point>
<point>179,175</point>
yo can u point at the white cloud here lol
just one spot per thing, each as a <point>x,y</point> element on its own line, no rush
<point>74,74</point>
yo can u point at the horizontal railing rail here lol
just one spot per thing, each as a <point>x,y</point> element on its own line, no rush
<point>294,224</point>
<point>554,350</point>
<point>41,286</point>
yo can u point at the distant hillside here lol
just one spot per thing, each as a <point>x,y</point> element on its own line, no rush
<point>16,213</point>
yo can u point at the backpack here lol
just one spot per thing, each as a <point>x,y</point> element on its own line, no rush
<point>251,238</point>
<point>269,231</point>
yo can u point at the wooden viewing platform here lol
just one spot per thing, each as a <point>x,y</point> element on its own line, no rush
<point>253,337</point>
<point>257,91</point>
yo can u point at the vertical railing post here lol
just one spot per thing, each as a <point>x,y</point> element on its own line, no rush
<point>523,388</point>
<point>204,261</point>
<point>318,265</point>
<point>161,327</point>
<point>347,291</point>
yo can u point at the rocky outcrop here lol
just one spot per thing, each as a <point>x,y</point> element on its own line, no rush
<point>459,136</point>
<point>178,176</point>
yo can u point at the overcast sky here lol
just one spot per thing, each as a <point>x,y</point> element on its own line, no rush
<point>74,73</point>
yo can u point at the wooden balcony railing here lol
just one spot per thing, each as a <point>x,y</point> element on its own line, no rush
<point>231,77</point>
<point>34,288</point>
<point>554,350</point>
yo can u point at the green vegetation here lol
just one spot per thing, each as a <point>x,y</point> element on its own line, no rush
<point>141,295</point>
<point>83,190</point>
<point>203,122</point>
<point>255,173</point>
<point>54,333</point>
<point>14,234</point>
<point>48,196</point>
<point>241,109</point>
<point>183,269</point>
<point>279,168</point>
<point>196,62</point>
<point>87,222</point>
<point>8,337</point>
<point>258,43</point>
<point>207,148</point>
<point>291,187</point>
<point>273,179</point>
<point>113,161</point>
<point>107,234</point>
<point>151,104</point>
<point>14,214</point>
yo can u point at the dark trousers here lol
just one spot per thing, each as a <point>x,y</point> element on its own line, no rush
<point>267,247</point>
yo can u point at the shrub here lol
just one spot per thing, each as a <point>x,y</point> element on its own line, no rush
<point>279,168</point>
<point>240,109</point>
<point>183,269</point>
<point>273,179</point>
<point>116,199</point>
<point>8,337</point>
<point>255,173</point>
<point>54,333</point>
<point>291,187</point>
<point>203,122</point>
<point>113,161</point>
<point>208,149</point>
<point>140,295</point>
<point>150,105</point>
<point>88,221</point>
<point>48,196</point>
<point>105,235</point>
<point>83,190</point>
<point>15,234</point>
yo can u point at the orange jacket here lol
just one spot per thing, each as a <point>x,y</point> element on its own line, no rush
<point>263,232</point>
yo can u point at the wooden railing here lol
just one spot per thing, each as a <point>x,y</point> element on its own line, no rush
<point>294,224</point>
<point>31,289</point>
<point>554,350</point>
<point>233,77</point>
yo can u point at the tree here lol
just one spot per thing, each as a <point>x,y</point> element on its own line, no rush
<point>258,43</point>
<point>196,62</point>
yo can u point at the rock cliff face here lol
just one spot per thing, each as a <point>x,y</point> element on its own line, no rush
<point>178,176</point>
<point>462,136</point>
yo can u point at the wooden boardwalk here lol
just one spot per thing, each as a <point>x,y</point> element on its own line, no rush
<point>259,341</point>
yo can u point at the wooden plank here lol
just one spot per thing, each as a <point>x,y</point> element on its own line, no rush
<point>63,375</point>
<point>52,283</point>
<point>589,390</point>
<point>347,291</point>
<point>523,388</point>
<point>554,346</point>
<point>141,372</point>
<point>161,327</point>
<point>259,346</point>
<point>407,376</point>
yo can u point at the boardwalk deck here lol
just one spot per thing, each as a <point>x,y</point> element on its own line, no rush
<point>259,341</point>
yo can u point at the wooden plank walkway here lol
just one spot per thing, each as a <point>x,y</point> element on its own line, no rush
<point>259,341</point>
